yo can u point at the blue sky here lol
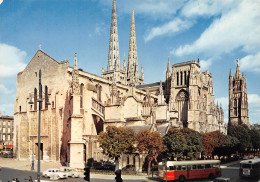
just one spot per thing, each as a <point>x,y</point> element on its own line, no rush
<point>215,31</point>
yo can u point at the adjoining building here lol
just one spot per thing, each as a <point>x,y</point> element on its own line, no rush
<point>83,104</point>
<point>6,132</point>
<point>238,101</point>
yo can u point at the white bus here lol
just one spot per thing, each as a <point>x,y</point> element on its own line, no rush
<point>250,168</point>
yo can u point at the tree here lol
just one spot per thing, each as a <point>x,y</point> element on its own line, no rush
<point>255,138</point>
<point>193,143</point>
<point>175,144</point>
<point>226,146</point>
<point>209,143</point>
<point>116,141</point>
<point>150,143</point>
<point>241,132</point>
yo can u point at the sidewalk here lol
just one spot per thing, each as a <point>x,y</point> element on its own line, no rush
<point>26,165</point>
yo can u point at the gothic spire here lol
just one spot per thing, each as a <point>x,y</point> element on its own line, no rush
<point>238,74</point>
<point>132,71</point>
<point>142,72</point>
<point>168,66</point>
<point>113,55</point>
<point>75,62</point>
<point>75,77</point>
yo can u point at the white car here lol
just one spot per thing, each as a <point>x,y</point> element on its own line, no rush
<point>70,172</point>
<point>54,171</point>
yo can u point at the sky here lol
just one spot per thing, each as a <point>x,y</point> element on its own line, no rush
<point>215,31</point>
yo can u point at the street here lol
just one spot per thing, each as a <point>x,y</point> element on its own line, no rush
<point>7,174</point>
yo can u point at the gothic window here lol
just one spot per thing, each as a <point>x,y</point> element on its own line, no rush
<point>46,97</point>
<point>188,78</point>
<point>181,78</point>
<point>99,88</point>
<point>239,107</point>
<point>185,78</point>
<point>235,107</point>
<point>35,99</point>
<point>182,100</point>
<point>177,78</point>
<point>81,95</point>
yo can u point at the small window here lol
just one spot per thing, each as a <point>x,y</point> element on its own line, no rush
<point>201,166</point>
<point>207,166</point>
<point>194,166</point>
<point>215,166</point>
<point>172,167</point>
<point>183,168</point>
<point>178,168</point>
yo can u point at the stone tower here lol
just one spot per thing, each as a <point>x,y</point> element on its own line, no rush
<point>238,102</point>
<point>114,72</point>
<point>132,69</point>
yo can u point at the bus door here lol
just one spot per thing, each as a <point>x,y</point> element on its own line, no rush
<point>188,171</point>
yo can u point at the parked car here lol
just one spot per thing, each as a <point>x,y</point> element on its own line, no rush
<point>70,172</point>
<point>54,171</point>
<point>107,166</point>
<point>129,168</point>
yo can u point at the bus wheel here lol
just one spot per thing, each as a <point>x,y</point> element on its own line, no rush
<point>211,176</point>
<point>182,178</point>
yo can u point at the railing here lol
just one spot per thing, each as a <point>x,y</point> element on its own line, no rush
<point>98,106</point>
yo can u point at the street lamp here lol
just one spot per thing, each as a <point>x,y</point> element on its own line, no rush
<point>39,127</point>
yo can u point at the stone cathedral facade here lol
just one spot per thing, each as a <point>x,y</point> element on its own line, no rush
<point>238,101</point>
<point>78,105</point>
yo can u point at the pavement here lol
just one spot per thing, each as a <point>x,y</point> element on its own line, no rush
<point>26,165</point>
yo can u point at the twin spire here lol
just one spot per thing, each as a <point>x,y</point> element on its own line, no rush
<point>129,75</point>
<point>113,55</point>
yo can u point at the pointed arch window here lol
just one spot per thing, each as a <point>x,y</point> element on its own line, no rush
<point>81,95</point>
<point>46,97</point>
<point>100,89</point>
<point>235,107</point>
<point>181,78</point>
<point>177,76</point>
<point>185,77</point>
<point>35,99</point>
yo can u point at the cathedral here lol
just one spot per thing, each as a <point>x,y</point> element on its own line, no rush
<point>238,102</point>
<point>77,105</point>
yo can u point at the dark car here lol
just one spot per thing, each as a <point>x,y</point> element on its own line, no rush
<point>107,167</point>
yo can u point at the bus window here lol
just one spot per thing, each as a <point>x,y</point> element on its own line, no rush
<point>215,166</point>
<point>178,168</point>
<point>201,166</point>
<point>183,168</point>
<point>172,167</point>
<point>207,166</point>
<point>194,166</point>
<point>246,166</point>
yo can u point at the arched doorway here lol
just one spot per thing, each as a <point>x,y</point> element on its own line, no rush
<point>182,100</point>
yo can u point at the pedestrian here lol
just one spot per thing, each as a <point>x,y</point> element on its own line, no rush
<point>118,177</point>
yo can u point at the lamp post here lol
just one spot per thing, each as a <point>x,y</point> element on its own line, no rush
<point>39,130</point>
<point>39,127</point>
